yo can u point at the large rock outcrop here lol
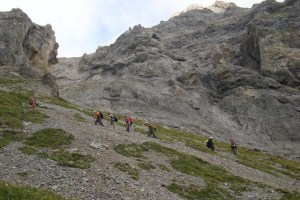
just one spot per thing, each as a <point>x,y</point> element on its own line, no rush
<point>272,42</point>
<point>223,70</point>
<point>29,47</point>
<point>26,44</point>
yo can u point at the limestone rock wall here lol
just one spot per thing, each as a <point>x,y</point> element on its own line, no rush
<point>272,43</point>
<point>224,71</point>
<point>26,44</point>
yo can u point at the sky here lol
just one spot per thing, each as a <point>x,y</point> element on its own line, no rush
<point>81,26</point>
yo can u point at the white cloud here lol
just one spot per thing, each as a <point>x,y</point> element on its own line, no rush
<point>81,26</point>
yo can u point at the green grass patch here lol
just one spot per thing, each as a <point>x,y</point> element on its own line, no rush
<point>7,137</point>
<point>258,160</point>
<point>76,160</point>
<point>55,139</point>
<point>11,81</point>
<point>63,103</point>
<point>146,165</point>
<point>35,116</point>
<point>49,138</point>
<point>42,155</point>
<point>14,109</point>
<point>164,167</point>
<point>17,192</point>
<point>28,150</point>
<point>194,193</point>
<point>127,168</point>
<point>267,163</point>
<point>140,130</point>
<point>161,149</point>
<point>213,175</point>
<point>288,195</point>
<point>131,150</point>
<point>199,145</point>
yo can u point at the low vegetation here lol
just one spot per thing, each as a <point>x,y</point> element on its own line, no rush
<point>53,143</point>
<point>130,150</point>
<point>28,150</point>
<point>288,195</point>
<point>49,138</point>
<point>76,160</point>
<point>272,164</point>
<point>214,176</point>
<point>14,109</point>
<point>193,192</point>
<point>275,165</point>
<point>9,136</point>
<point>127,168</point>
<point>164,167</point>
<point>16,192</point>
<point>63,103</point>
<point>146,165</point>
<point>11,80</point>
<point>49,143</point>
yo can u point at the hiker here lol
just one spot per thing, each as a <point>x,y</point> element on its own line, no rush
<point>210,143</point>
<point>233,147</point>
<point>112,119</point>
<point>151,130</point>
<point>98,117</point>
<point>128,122</point>
<point>32,102</point>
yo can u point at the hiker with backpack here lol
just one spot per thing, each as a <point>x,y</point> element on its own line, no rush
<point>128,122</point>
<point>151,130</point>
<point>233,147</point>
<point>32,102</point>
<point>112,120</point>
<point>210,143</point>
<point>98,117</point>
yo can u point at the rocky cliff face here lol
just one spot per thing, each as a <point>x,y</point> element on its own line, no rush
<point>225,71</point>
<point>27,45</point>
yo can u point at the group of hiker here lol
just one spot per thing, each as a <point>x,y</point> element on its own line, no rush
<point>210,145</point>
<point>151,129</point>
<point>128,122</point>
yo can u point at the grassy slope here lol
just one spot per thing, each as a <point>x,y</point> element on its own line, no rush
<point>14,110</point>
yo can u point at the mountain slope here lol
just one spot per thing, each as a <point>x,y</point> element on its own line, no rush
<point>103,180</point>
<point>212,73</point>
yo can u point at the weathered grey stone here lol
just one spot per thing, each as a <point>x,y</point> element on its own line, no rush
<point>50,80</point>
<point>272,45</point>
<point>30,47</point>
<point>24,43</point>
<point>221,71</point>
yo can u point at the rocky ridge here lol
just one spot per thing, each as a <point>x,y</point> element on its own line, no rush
<point>224,71</point>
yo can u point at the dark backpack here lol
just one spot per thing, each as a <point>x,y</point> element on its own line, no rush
<point>116,119</point>
<point>101,115</point>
